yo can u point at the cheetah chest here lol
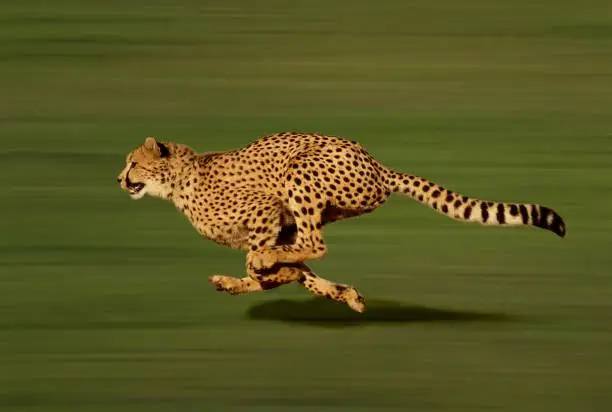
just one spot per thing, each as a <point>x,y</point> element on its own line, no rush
<point>214,221</point>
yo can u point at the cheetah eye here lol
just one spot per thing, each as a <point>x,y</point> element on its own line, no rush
<point>131,166</point>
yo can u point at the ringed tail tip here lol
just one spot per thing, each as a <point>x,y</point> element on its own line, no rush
<point>550,220</point>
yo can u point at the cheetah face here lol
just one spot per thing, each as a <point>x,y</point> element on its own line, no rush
<point>147,170</point>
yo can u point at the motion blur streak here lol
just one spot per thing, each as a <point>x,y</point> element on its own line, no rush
<point>105,304</point>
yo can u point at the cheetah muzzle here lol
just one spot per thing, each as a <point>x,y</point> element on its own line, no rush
<point>273,197</point>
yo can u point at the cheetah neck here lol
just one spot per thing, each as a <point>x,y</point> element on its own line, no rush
<point>187,182</point>
<point>189,196</point>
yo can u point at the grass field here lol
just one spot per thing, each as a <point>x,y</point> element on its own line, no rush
<point>104,303</point>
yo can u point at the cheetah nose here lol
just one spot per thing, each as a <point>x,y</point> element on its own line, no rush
<point>118,179</point>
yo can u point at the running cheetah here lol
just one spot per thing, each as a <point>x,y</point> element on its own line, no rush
<point>272,198</point>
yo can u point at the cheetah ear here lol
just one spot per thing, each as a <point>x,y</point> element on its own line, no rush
<point>150,143</point>
<point>156,147</point>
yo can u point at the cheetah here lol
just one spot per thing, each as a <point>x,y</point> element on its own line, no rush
<point>272,198</point>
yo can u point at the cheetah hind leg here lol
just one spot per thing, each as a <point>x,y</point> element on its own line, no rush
<point>319,286</point>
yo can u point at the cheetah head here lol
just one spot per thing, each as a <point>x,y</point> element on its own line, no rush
<point>148,170</point>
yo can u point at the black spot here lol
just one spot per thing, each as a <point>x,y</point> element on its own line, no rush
<point>501,217</point>
<point>457,203</point>
<point>297,181</point>
<point>524,214</point>
<point>426,188</point>
<point>435,194</point>
<point>484,211</point>
<point>536,219</point>
<point>449,198</point>
<point>444,208</point>
<point>514,210</point>
<point>467,213</point>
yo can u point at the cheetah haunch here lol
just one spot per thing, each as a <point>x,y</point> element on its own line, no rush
<point>272,198</point>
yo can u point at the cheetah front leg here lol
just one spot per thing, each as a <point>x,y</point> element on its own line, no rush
<point>316,285</point>
<point>308,243</point>
<point>270,265</point>
<point>265,227</point>
<point>254,282</point>
<point>235,286</point>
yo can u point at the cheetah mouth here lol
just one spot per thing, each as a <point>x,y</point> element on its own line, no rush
<point>134,188</point>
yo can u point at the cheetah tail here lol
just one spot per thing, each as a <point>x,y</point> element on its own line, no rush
<point>466,209</point>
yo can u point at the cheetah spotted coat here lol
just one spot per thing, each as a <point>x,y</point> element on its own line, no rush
<point>272,198</point>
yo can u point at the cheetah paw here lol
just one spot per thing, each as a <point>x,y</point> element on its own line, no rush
<point>224,283</point>
<point>262,259</point>
<point>354,299</point>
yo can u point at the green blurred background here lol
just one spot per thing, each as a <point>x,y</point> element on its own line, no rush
<point>104,302</point>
